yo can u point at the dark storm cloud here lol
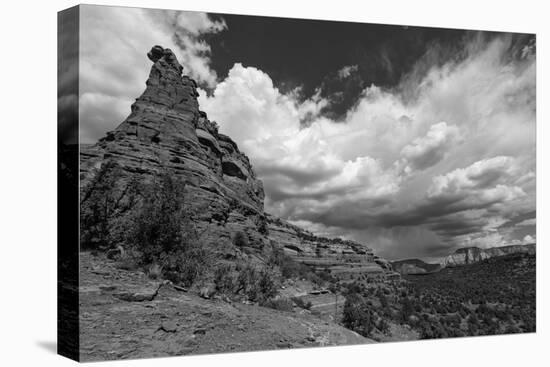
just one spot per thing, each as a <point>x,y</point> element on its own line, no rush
<point>309,53</point>
<point>297,176</point>
<point>448,209</point>
<point>67,76</point>
<point>531,215</point>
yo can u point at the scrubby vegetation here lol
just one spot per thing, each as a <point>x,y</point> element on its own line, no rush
<point>301,303</point>
<point>245,281</point>
<point>281,304</point>
<point>291,269</point>
<point>491,297</point>
<point>102,209</point>
<point>162,233</point>
<point>149,220</point>
<point>240,239</point>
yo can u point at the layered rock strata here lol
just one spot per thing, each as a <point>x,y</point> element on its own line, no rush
<point>470,255</point>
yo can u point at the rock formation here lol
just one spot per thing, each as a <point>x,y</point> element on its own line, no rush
<point>470,255</point>
<point>414,266</point>
<point>462,256</point>
<point>166,131</point>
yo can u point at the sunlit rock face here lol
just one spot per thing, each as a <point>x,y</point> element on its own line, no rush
<point>470,255</point>
<point>166,132</point>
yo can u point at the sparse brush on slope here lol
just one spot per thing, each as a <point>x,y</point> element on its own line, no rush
<point>256,285</point>
<point>150,220</point>
<point>104,208</point>
<point>163,232</point>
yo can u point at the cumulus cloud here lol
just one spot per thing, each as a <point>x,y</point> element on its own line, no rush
<point>113,66</point>
<point>428,150</point>
<point>527,222</point>
<point>296,162</point>
<point>478,178</point>
<point>346,71</point>
<point>449,158</point>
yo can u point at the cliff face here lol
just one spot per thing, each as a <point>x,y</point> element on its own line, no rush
<point>471,255</point>
<point>167,132</point>
<point>463,256</point>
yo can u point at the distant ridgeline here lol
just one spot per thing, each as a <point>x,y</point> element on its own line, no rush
<point>167,133</point>
<point>462,256</point>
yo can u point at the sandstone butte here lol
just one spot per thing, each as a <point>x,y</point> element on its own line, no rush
<point>470,255</point>
<point>166,131</point>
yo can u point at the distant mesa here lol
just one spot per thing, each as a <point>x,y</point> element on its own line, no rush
<point>470,255</point>
<point>462,256</point>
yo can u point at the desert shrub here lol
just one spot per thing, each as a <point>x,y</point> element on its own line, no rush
<point>158,225</point>
<point>163,233</point>
<point>325,276</point>
<point>186,265</point>
<point>301,303</point>
<point>261,225</point>
<point>240,239</point>
<point>383,326</point>
<point>407,309</point>
<point>223,279</point>
<point>354,289</point>
<point>101,207</point>
<point>150,220</point>
<point>246,282</point>
<point>276,257</point>
<point>357,315</point>
<point>257,286</point>
<point>267,287</point>
<point>282,304</point>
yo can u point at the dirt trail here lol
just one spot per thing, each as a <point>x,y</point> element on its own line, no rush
<point>126,315</point>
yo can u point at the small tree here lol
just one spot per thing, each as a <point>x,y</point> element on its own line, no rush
<point>357,315</point>
<point>164,233</point>
<point>240,239</point>
<point>100,208</point>
<point>267,288</point>
<point>223,279</point>
<point>246,282</point>
<point>407,309</point>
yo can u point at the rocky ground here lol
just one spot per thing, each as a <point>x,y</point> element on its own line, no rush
<point>126,315</point>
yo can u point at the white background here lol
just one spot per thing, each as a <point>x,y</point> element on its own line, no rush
<point>28,181</point>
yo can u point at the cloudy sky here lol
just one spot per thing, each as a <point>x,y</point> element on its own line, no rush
<point>415,141</point>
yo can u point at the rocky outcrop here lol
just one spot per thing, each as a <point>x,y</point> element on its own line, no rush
<point>470,255</point>
<point>344,259</point>
<point>167,132</point>
<point>465,256</point>
<point>530,249</point>
<point>414,266</point>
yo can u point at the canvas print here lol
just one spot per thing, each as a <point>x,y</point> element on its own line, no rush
<point>233,183</point>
